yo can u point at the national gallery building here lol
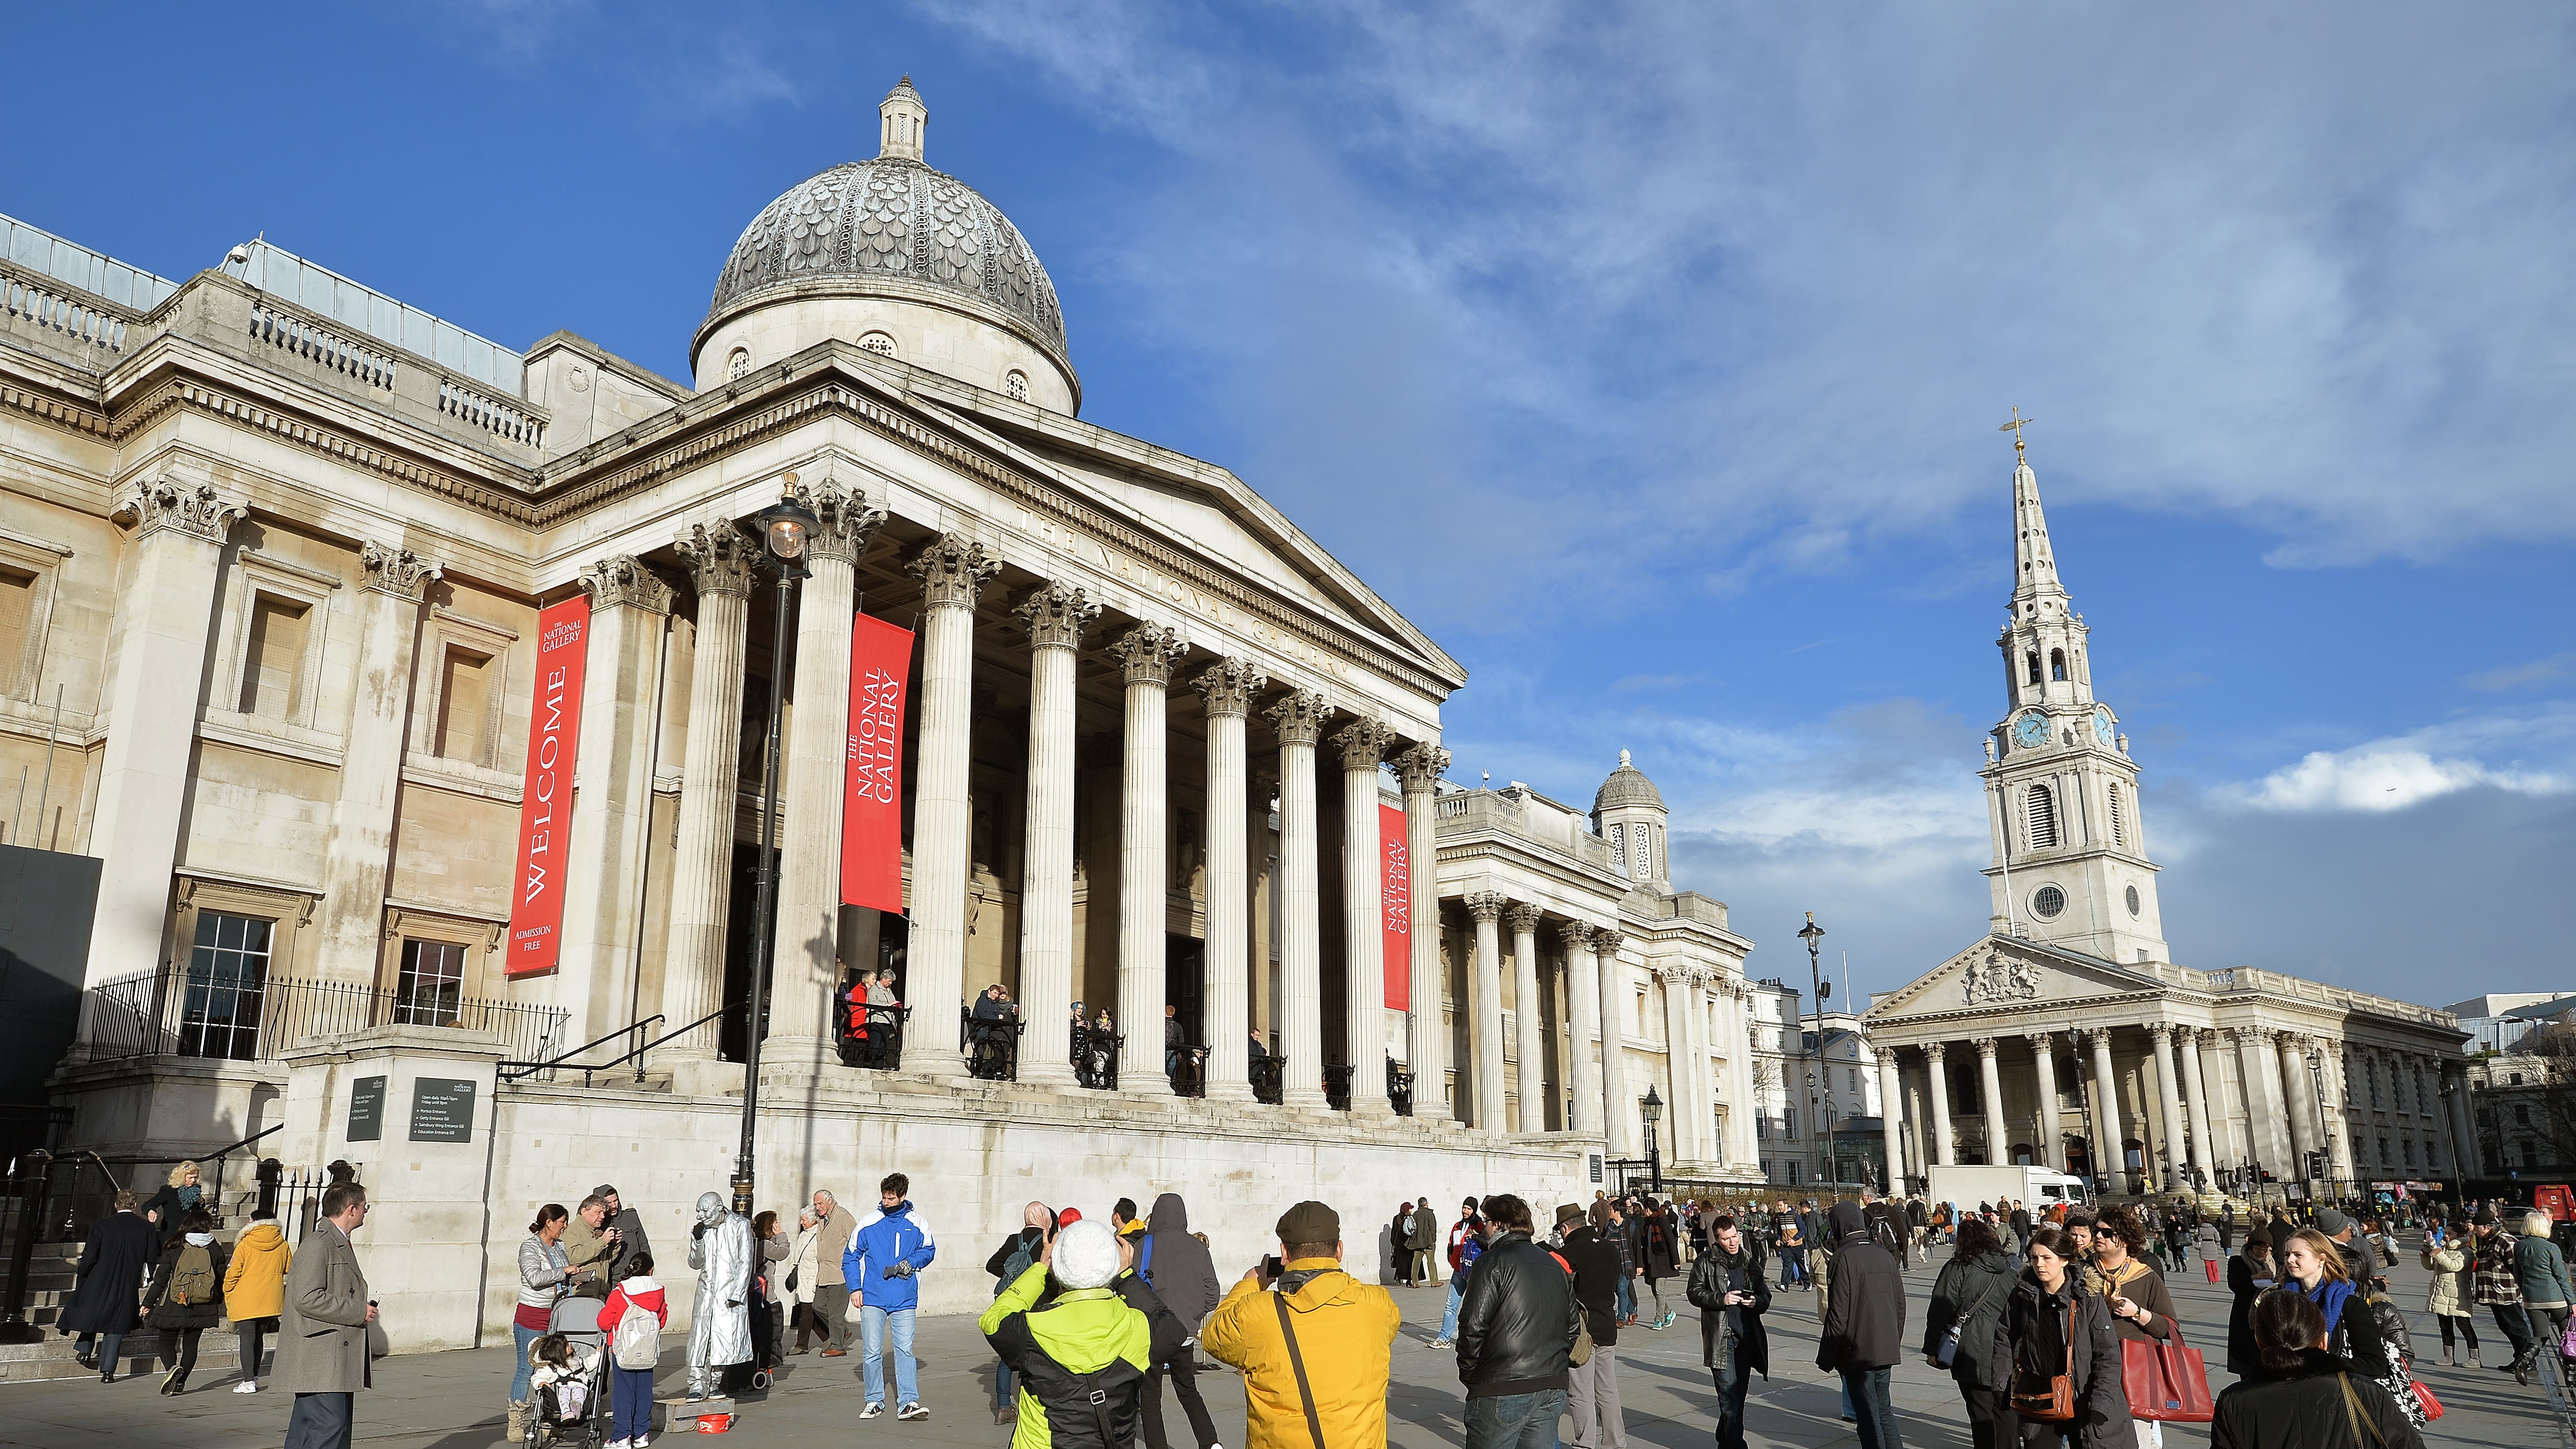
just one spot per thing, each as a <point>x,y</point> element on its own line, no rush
<point>407,702</point>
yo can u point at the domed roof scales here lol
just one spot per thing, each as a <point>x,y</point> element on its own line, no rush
<point>1627,786</point>
<point>891,220</point>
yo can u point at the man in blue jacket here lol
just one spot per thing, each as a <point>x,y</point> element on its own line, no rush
<point>890,1246</point>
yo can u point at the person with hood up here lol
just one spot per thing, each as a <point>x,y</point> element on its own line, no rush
<point>2052,1324</point>
<point>891,1245</point>
<point>1175,1264</point>
<point>1863,1334</point>
<point>187,1293</point>
<point>720,1249</point>
<point>630,1390</point>
<point>255,1290</point>
<point>1080,1359</point>
<point>1592,1387</point>
<point>106,1283</point>
<point>1016,1255</point>
<point>1342,1331</point>
<point>2302,1394</point>
<point>1728,1287</point>
<point>1967,1304</point>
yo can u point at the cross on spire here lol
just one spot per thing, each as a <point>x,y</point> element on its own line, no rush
<point>2014,427</point>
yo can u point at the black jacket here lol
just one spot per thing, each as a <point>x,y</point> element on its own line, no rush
<point>2241,1276</point>
<point>1180,1268</point>
<point>165,1315</point>
<point>110,1275</point>
<point>1029,1241</point>
<point>1970,1293</point>
<point>1887,1227</point>
<point>1516,1325</point>
<point>1864,1325</point>
<point>1659,1257</point>
<point>1721,1327</point>
<point>1595,1261</point>
<point>2101,1404</point>
<point>2307,1407</point>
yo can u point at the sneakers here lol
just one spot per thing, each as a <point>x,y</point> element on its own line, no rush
<point>1005,1416</point>
<point>912,1411</point>
<point>247,1386</point>
<point>620,1444</point>
<point>1666,1321</point>
<point>872,1411</point>
<point>1440,1343</point>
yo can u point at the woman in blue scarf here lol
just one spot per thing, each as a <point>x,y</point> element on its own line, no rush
<point>2312,1264</point>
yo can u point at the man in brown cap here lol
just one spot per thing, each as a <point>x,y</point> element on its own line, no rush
<point>1343,1332</point>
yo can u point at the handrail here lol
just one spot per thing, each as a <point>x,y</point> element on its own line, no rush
<point>637,1055</point>
<point>532,1068</point>
<point>220,1153</point>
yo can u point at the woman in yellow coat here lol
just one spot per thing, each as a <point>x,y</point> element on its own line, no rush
<point>255,1290</point>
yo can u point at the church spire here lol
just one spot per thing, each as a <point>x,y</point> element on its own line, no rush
<point>2035,576</point>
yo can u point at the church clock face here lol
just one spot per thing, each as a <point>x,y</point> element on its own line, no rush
<point>2031,730</point>
<point>2103,729</point>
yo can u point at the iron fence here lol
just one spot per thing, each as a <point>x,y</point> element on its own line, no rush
<point>211,1013</point>
<point>1266,1080</point>
<point>991,1045</point>
<point>1337,1086</point>
<point>1095,1057</point>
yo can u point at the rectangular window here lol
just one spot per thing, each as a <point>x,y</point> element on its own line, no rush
<point>463,729</point>
<point>431,991</point>
<point>2119,820</point>
<point>273,657</point>
<point>1852,1082</point>
<point>17,616</point>
<point>219,1010</point>
<point>1793,1174</point>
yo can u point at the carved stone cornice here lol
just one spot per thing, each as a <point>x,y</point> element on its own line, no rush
<point>1148,652</point>
<point>953,570</point>
<point>191,507</point>
<point>1522,917</point>
<point>395,571</point>
<point>1056,614</point>
<point>1486,905</point>
<point>1421,767</point>
<point>1297,716</point>
<point>622,581</point>
<point>845,522</point>
<point>719,559</point>
<point>2247,1036</point>
<point>1229,685</point>
<point>1363,744</point>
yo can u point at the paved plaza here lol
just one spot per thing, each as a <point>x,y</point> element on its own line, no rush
<point>455,1400</point>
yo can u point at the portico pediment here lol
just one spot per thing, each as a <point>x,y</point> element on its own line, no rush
<point>1997,974</point>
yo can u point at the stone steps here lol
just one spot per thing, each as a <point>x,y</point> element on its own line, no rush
<point>218,1352</point>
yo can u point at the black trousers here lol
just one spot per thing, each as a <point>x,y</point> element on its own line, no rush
<point>1183,1373</point>
<point>179,1348</point>
<point>254,1341</point>
<point>321,1421</point>
<point>1992,1424</point>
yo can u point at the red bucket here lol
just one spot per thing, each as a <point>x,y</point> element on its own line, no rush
<point>715,1423</point>
<point>2210,1264</point>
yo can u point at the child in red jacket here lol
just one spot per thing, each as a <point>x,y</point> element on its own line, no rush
<point>630,1393</point>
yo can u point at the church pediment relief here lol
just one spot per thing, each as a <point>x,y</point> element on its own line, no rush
<point>1994,975</point>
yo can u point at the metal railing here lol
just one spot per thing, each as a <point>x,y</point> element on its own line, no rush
<point>1095,1057</point>
<point>1337,1086</point>
<point>1267,1080</point>
<point>1399,1087</point>
<point>1189,1071</point>
<point>991,1045</point>
<point>193,1012</point>
<point>874,1042</point>
<point>515,1071</point>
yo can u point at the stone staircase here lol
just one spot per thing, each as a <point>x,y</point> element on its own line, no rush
<point>49,1282</point>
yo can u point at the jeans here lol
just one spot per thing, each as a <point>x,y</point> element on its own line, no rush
<point>1793,1267</point>
<point>1733,1378</point>
<point>630,1403</point>
<point>1626,1298</point>
<point>253,1333</point>
<point>1592,1396</point>
<point>1181,1372</point>
<point>1001,1384</point>
<point>321,1421</point>
<point>1515,1421</point>
<point>522,1337</point>
<point>1877,1416</point>
<point>874,1324</point>
<point>2516,1324</point>
<point>111,1347</point>
<point>1449,1320</point>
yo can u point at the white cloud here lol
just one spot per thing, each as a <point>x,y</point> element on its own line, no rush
<point>2403,772</point>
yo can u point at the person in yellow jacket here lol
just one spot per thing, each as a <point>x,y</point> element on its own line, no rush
<point>1345,1335</point>
<point>1077,1349</point>
<point>255,1290</point>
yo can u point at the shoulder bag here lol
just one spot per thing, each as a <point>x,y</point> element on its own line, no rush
<point>1306,1390</point>
<point>2353,1415</point>
<point>2054,1401</point>
<point>1950,1340</point>
<point>2166,1382</point>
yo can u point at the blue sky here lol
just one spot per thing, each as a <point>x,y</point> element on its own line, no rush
<point>1651,357</point>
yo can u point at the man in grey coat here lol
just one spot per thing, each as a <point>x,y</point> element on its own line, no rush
<point>1424,1243</point>
<point>322,1340</point>
<point>834,1225</point>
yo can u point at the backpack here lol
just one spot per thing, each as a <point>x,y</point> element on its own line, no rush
<point>192,1278</point>
<point>638,1344</point>
<point>1145,1261</point>
<point>1020,1261</point>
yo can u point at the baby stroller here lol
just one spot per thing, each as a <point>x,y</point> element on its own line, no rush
<point>567,1402</point>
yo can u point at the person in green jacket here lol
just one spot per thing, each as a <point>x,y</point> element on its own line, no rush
<point>1080,1356</point>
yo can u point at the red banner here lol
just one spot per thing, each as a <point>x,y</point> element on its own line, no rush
<point>872,785</point>
<point>545,801</point>
<point>1395,895</point>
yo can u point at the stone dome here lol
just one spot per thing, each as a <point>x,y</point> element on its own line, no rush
<point>1627,786</point>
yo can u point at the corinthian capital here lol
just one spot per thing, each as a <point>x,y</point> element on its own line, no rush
<point>1056,614</point>
<point>1573,936</point>
<point>1298,717</point>
<point>1421,767</point>
<point>1229,685</point>
<point>719,559</point>
<point>622,581</point>
<point>1149,651</point>
<point>1363,744</point>
<point>953,570</point>
<point>1486,905</point>
<point>1522,917</point>
<point>193,507</point>
<point>395,571</point>
<point>1985,1046</point>
<point>1608,941</point>
<point>845,522</point>
<point>1935,1050</point>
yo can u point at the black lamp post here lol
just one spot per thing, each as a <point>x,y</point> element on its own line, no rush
<point>1652,1109</point>
<point>1815,972</point>
<point>786,527</point>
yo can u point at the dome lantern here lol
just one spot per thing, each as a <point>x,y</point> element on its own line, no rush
<point>901,118</point>
<point>1629,813</point>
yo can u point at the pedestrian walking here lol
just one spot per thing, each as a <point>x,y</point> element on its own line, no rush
<point>322,1340</point>
<point>1623,1236</point>
<point>187,1293</point>
<point>1080,1363</point>
<point>1515,1332</point>
<point>1592,1387</point>
<point>1659,1240</point>
<point>1425,1242</point>
<point>106,1284</point>
<point>804,1265</point>
<point>1399,1244</point>
<point>2540,1272</point>
<point>183,1190</point>
<point>886,1253</point>
<point>1314,1345</point>
<point>2496,1285</point>
<point>1018,1253</point>
<point>2134,1293</point>
<point>1863,1332</point>
<point>2251,1271</point>
<point>831,1288</point>
<point>1793,1246</point>
<point>255,1291</point>
<point>633,1317</point>
<point>2311,1263</point>
<point>2447,1293</point>
<point>1466,1244</point>
<point>1175,1264</point>
<point>2052,1327</point>
<point>1728,1288</point>
<point>1959,1331</point>
<point>2302,1394</point>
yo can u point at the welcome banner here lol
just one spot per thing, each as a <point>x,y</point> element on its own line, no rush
<point>545,804</point>
<point>1395,894</point>
<point>872,783</point>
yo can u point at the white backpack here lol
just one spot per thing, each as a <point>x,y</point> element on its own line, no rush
<point>639,1339</point>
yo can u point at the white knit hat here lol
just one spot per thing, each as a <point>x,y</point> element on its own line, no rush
<point>1086,1255</point>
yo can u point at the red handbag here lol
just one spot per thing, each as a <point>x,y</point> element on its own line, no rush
<point>2424,1396</point>
<point>2166,1382</point>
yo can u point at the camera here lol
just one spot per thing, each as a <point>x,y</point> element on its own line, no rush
<point>1271,1268</point>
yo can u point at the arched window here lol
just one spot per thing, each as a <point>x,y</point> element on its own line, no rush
<point>2119,820</point>
<point>2033,656</point>
<point>2043,818</point>
<point>2057,665</point>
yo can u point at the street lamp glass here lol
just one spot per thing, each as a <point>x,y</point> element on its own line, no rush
<point>1653,1107</point>
<point>787,538</point>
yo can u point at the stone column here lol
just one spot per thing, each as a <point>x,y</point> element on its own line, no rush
<point>1618,1107</point>
<point>1583,1000</point>
<point>1056,616</point>
<point>1298,718</point>
<point>719,559</point>
<point>2204,1148</point>
<point>1486,908</point>
<point>1528,1030</point>
<point>1942,1152</point>
<point>1146,654</point>
<point>2051,1144</point>
<point>612,812</point>
<point>2468,1160</point>
<point>1427,1041</point>
<point>361,854</point>
<point>953,570</point>
<point>164,617</point>
<point>1681,1110</point>
<point>2107,1142</point>
<point>1228,690</point>
<point>1703,1083</point>
<point>2259,1069</point>
<point>1891,1118</point>
<point>813,779</point>
<point>2169,1095</point>
<point>2338,1145</point>
<point>1746,1149</point>
<point>1363,748</point>
<point>1990,1082</point>
<point>2290,1058</point>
